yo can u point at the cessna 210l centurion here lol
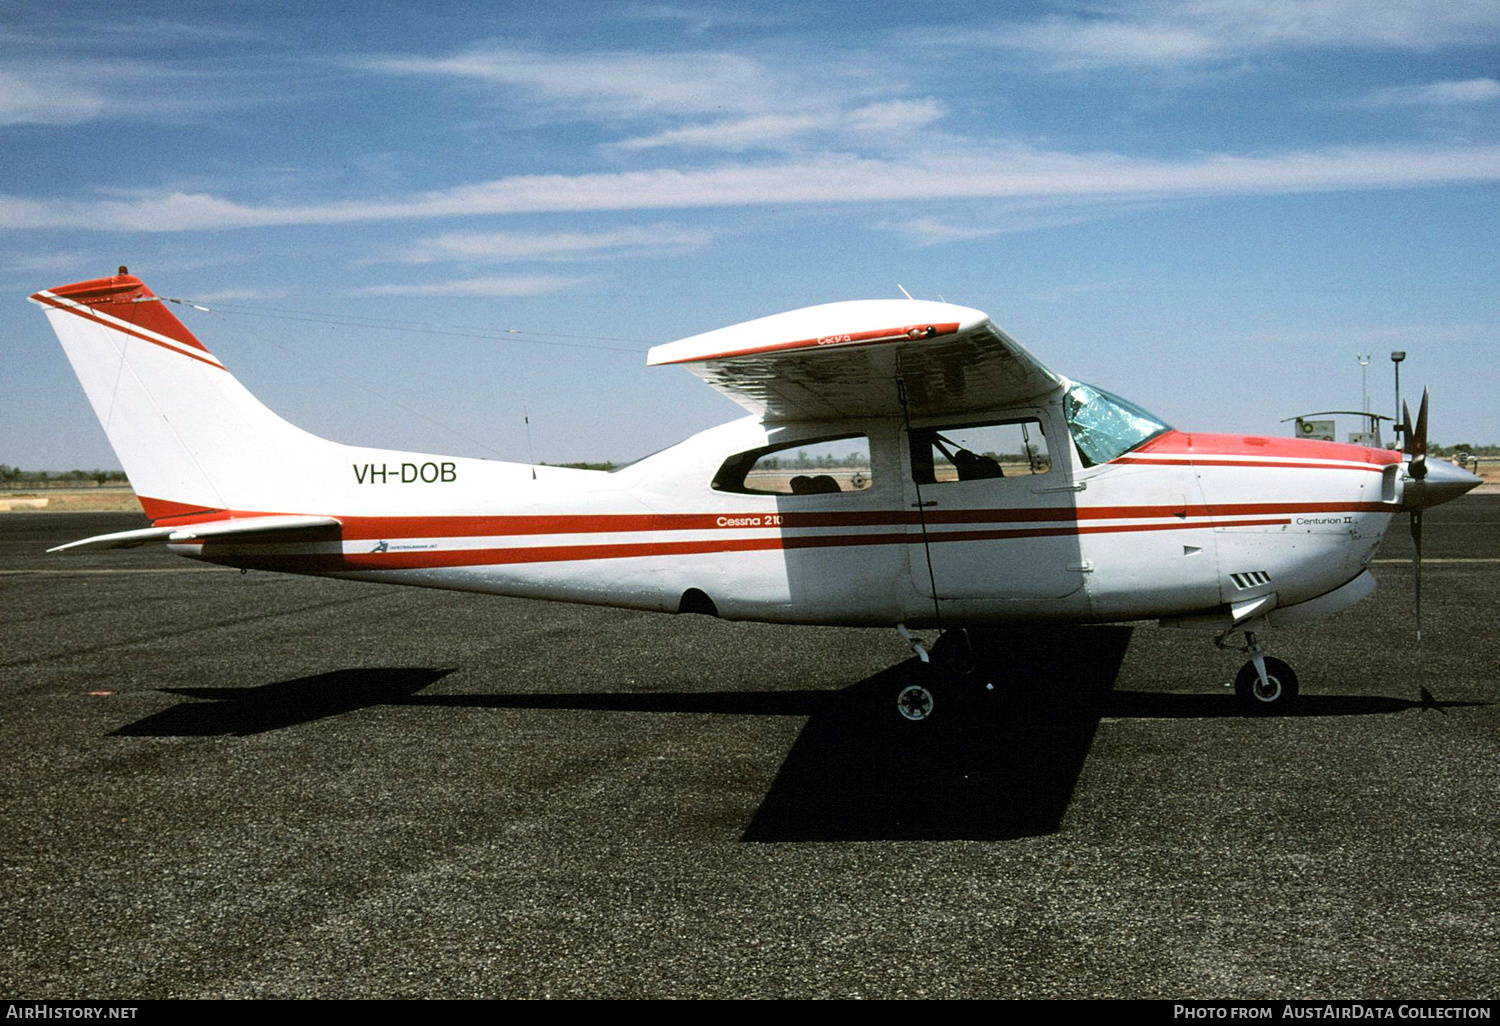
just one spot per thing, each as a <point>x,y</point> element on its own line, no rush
<point>905,463</point>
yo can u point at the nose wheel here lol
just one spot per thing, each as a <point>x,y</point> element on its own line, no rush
<point>1264,686</point>
<point>1272,695</point>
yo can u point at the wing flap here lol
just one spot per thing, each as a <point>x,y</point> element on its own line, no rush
<point>842,360</point>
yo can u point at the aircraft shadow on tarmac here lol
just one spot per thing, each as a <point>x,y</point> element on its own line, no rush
<point>988,765</point>
<point>241,712</point>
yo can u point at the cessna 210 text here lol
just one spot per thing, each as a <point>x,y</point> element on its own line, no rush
<point>905,463</point>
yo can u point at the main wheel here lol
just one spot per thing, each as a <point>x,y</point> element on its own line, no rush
<point>914,702</point>
<point>1277,695</point>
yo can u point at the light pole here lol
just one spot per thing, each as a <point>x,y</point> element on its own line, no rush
<point>1397,355</point>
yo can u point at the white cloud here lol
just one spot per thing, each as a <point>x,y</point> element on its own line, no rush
<point>608,84</point>
<point>994,172</point>
<point>696,20</point>
<point>1474,90</point>
<point>871,123</point>
<point>1183,32</point>
<point>71,92</point>
<point>894,117</point>
<point>1079,43</point>
<point>526,285</point>
<point>46,99</point>
<point>932,231</point>
<point>511,246</point>
<point>738,134</point>
<point>238,295</point>
<point>706,99</point>
<point>43,263</point>
<point>1395,24</point>
<point>929,231</point>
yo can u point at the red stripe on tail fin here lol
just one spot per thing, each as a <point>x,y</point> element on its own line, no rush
<point>126,297</point>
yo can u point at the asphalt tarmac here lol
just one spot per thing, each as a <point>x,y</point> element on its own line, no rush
<point>226,785</point>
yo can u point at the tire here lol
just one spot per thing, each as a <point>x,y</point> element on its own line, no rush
<point>915,701</point>
<point>1259,701</point>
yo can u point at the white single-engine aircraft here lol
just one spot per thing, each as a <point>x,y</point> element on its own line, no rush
<point>905,463</point>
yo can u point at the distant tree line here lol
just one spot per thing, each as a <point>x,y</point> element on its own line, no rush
<point>1472,450</point>
<point>13,478</point>
<point>822,461</point>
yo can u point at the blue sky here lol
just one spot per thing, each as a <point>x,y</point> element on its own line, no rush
<point>1209,206</point>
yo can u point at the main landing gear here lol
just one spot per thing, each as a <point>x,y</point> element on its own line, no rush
<point>945,675</point>
<point>1264,686</point>
<point>916,702</point>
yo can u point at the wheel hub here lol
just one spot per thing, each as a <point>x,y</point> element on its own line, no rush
<point>914,702</point>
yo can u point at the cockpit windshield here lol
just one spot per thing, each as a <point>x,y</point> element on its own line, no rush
<point>1104,426</point>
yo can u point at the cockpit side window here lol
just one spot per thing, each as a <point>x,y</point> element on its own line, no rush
<point>971,452</point>
<point>821,466</point>
<point>1104,426</point>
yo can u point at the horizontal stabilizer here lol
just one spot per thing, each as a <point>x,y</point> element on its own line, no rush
<point>249,528</point>
<point>118,540</point>
<point>239,529</point>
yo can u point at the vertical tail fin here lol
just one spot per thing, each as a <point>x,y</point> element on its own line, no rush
<point>188,434</point>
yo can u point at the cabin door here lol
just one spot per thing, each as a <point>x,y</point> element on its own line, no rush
<point>996,503</point>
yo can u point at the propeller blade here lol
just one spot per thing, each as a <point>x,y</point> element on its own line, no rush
<point>1416,539</point>
<point>1416,466</point>
<point>1419,442</point>
<point>1416,439</point>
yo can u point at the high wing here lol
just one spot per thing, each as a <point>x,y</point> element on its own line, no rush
<point>843,360</point>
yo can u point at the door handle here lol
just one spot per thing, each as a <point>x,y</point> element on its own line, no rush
<point>929,502</point>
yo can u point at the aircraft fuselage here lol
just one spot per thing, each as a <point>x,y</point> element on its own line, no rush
<point>1187,523</point>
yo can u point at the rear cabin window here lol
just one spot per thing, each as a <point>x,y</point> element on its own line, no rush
<point>974,452</point>
<point>818,467</point>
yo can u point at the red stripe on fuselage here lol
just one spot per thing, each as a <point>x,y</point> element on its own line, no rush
<point>332,562</point>
<point>360,528</point>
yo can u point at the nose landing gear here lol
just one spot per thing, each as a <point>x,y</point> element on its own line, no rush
<point>1275,693</point>
<point>1264,686</point>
